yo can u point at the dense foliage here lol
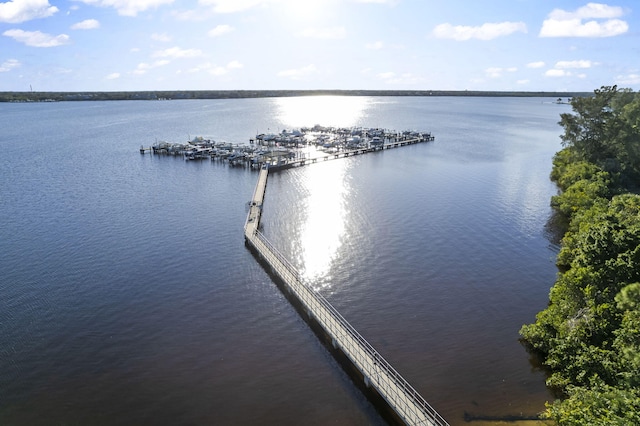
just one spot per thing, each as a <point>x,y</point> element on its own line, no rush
<point>589,335</point>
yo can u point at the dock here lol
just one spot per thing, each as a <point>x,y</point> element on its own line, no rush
<point>324,156</point>
<point>291,148</point>
<point>377,375</point>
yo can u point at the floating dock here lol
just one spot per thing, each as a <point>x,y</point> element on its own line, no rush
<point>377,375</point>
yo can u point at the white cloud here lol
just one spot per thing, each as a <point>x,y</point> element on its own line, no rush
<point>561,68</point>
<point>591,10</point>
<point>128,7</point>
<point>375,46</point>
<point>537,64</point>
<point>522,82</point>
<point>37,38</point>
<point>487,31</point>
<point>87,24</point>
<point>176,52</point>
<point>574,64</point>
<point>113,76</point>
<point>298,73</point>
<point>220,30</point>
<point>161,37</point>
<point>9,64</point>
<point>17,11</point>
<point>324,33</point>
<point>561,23</point>
<point>557,73</point>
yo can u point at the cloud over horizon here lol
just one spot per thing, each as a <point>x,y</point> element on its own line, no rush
<point>561,23</point>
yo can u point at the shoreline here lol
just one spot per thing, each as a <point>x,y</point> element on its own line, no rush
<point>249,94</point>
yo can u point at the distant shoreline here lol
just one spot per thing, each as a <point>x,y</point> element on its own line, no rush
<point>244,94</point>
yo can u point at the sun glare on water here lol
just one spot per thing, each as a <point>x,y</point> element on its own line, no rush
<point>326,185</point>
<point>331,111</point>
<point>322,232</point>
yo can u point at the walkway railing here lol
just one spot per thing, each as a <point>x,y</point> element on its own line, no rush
<point>407,403</point>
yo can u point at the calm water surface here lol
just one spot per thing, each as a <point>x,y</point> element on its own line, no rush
<point>127,295</point>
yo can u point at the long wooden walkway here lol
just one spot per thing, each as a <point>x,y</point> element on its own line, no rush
<point>400,396</point>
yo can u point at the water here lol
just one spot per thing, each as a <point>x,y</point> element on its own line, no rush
<point>127,295</point>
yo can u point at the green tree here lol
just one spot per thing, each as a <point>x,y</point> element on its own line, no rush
<point>596,405</point>
<point>589,335</point>
<point>629,137</point>
<point>627,342</point>
<point>605,130</point>
<point>589,131</point>
<point>581,194</point>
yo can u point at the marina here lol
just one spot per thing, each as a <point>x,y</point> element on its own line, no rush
<point>291,148</point>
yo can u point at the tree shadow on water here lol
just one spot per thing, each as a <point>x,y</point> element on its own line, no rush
<point>555,228</point>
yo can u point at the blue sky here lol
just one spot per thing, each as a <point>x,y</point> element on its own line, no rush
<point>113,45</point>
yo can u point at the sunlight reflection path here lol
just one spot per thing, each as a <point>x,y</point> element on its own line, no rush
<point>337,111</point>
<point>325,185</point>
<point>322,232</point>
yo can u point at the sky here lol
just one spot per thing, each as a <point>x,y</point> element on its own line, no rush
<point>503,45</point>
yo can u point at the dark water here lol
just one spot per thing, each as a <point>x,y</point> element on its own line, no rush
<point>127,295</point>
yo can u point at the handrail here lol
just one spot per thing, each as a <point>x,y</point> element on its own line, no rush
<point>399,388</point>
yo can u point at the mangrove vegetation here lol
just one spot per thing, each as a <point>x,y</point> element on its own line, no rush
<point>589,334</point>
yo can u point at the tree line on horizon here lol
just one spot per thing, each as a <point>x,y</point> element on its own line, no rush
<point>589,334</point>
<point>241,94</point>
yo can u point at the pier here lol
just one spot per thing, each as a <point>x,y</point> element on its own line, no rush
<point>376,373</point>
